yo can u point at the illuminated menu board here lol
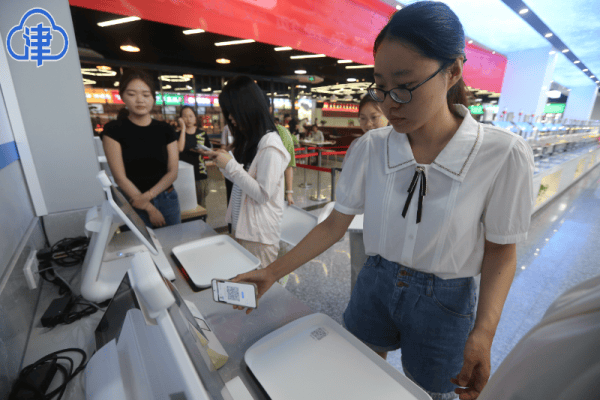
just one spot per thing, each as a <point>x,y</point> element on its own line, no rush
<point>479,109</point>
<point>201,100</point>
<point>476,109</point>
<point>554,108</point>
<point>171,99</point>
<point>342,107</point>
<point>343,110</point>
<point>116,97</point>
<point>103,96</point>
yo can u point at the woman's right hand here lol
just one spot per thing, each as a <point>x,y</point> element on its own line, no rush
<point>141,201</point>
<point>263,280</point>
<point>290,199</point>
<point>156,217</point>
<point>219,156</point>
<point>181,124</point>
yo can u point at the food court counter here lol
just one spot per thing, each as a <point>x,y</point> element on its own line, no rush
<point>548,144</point>
<point>342,135</point>
<point>235,330</point>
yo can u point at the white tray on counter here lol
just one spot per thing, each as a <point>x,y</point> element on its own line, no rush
<point>315,358</point>
<point>296,224</point>
<point>215,257</point>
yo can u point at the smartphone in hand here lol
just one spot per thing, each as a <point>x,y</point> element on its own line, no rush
<point>203,147</point>
<point>235,293</point>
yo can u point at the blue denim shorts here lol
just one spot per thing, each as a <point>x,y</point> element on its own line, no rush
<point>395,307</point>
<point>168,205</point>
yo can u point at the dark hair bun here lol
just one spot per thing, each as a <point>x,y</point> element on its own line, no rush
<point>431,27</point>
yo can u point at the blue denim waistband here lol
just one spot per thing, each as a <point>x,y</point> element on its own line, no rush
<point>410,275</point>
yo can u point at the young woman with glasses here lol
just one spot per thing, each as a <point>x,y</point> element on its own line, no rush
<point>370,115</point>
<point>444,198</point>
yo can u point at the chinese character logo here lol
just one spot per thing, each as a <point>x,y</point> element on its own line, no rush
<point>37,39</point>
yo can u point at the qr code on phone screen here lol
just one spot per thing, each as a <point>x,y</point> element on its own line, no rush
<point>318,333</point>
<point>233,293</point>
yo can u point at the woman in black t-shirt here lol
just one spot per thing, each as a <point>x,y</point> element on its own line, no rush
<point>142,154</point>
<point>190,137</point>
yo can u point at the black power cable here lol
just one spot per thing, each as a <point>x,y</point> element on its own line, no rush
<point>47,273</point>
<point>70,251</point>
<point>65,311</point>
<point>32,384</point>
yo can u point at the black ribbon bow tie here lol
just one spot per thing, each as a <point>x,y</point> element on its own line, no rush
<point>420,172</point>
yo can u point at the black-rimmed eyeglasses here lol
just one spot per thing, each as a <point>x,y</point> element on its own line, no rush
<point>399,95</point>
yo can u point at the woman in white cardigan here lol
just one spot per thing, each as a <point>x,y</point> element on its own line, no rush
<point>256,169</point>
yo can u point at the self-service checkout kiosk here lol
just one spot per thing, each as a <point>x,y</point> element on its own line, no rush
<point>109,255</point>
<point>150,345</point>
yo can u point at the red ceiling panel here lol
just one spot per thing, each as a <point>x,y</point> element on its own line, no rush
<point>344,29</point>
<point>484,69</point>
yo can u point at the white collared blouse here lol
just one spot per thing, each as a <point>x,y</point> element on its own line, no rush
<point>479,187</point>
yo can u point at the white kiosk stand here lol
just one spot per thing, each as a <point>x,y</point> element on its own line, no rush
<point>109,255</point>
<point>160,353</point>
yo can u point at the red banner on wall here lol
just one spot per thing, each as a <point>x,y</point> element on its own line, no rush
<point>116,97</point>
<point>344,29</point>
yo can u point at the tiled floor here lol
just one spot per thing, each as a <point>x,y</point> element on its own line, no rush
<point>562,250</point>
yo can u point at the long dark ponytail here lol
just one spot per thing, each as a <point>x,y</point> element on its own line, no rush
<point>434,30</point>
<point>243,99</point>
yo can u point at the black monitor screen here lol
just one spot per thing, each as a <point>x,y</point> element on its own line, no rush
<point>130,213</point>
<point>112,321</point>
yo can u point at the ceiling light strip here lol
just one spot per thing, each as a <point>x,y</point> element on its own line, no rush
<point>359,66</point>
<point>192,31</point>
<point>118,21</point>
<point>307,56</point>
<point>233,42</point>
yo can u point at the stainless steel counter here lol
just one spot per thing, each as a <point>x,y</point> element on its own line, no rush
<point>235,330</point>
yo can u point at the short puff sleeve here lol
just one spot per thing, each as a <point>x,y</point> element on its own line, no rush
<point>510,202</point>
<point>170,134</point>
<point>114,130</point>
<point>351,187</point>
